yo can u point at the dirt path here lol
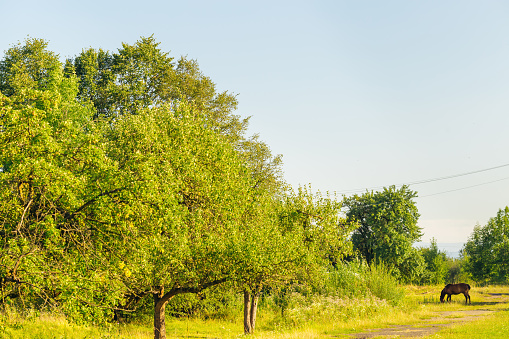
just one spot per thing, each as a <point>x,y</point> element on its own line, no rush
<point>426,327</point>
<point>434,324</point>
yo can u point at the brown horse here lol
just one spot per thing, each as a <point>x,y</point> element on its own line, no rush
<point>456,289</point>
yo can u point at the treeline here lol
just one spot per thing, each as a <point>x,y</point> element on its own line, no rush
<point>126,175</point>
<point>128,183</point>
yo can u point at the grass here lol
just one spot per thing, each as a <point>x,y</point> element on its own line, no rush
<point>320,317</point>
<point>492,326</point>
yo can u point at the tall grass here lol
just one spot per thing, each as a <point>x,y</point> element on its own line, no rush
<point>356,279</point>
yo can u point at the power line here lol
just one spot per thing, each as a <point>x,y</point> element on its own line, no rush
<point>463,188</point>
<point>425,181</point>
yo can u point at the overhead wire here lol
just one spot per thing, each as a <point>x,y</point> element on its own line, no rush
<point>463,188</point>
<point>425,181</point>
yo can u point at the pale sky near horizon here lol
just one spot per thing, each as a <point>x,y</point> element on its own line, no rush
<point>354,94</point>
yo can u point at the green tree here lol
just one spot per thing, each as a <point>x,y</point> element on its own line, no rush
<point>182,218</point>
<point>437,264</point>
<point>296,240</point>
<point>50,157</point>
<point>140,76</point>
<point>126,176</point>
<point>486,253</point>
<point>387,228</point>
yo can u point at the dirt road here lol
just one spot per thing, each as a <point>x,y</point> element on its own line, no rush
<point>438,321</point>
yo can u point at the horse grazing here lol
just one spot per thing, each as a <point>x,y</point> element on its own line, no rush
<point>456,289</point>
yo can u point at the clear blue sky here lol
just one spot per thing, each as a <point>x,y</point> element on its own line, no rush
<point>354,94</point>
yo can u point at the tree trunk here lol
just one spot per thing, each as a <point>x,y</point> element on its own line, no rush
<point>161,299</point>
<point>247,312</point>
<point>254,308</point>
<point>250,309</point>
<point>159,324</point>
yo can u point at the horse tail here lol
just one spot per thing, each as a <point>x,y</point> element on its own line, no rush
<point>468,287</point>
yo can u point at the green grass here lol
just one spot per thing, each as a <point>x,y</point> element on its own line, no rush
<point>492,326</point>
<point>48,326</point>
<point>318,317</point>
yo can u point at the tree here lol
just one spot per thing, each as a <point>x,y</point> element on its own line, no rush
<point>296,242</point>
<point>387,228</point>
<point>182,217</point>
<point>125,176</point>
<point>437,267</point>
<point>486,252</point>
<point>50,159</point>
<point>140,76</point>
<point>114,190</point>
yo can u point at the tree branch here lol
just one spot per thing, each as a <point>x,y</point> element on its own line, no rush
<point>88,203</point>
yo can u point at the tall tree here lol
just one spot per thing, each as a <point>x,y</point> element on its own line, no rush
<point>146,204</point>
<point>50,157</point>
<point>126,176</point>
<point>182,217</point>
<point>139,76</point>
<point>486,252</point>
<point>387,228</point>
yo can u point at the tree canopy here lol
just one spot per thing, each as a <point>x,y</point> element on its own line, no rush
<point>125,175</point>
<point>486,252</point>
<point>387,228</point>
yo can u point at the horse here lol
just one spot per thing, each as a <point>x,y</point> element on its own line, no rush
<point>456,289</point>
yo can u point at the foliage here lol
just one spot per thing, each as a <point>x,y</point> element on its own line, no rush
<point>126,175</point>
<point>297,233</point>
<point>50,159</point>
<point>95,214</point>
<point>486,252</point>
<point>387,228</point>
<point>437,265</point>
<point>141,76</point>
<point>356,279</point>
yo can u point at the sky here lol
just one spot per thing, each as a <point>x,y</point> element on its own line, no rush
<point>356,95</point>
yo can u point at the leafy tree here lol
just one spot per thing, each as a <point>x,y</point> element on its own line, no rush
<point>182,217</point>
<point>296,241</point>
<point>387,228</point>
<point>486,252</point>
<point>50,157</point>
<point>156,201</point>
<point>140,76</point>
<point>437,264</point>
<point>125,176</point>
<point>28,67</point>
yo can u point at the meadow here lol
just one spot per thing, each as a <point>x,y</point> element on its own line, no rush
<point>319,317</point>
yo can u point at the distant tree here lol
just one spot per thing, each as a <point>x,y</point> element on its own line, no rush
<point>486,252</point>
<point>437,264</point>
<point>387,228</point>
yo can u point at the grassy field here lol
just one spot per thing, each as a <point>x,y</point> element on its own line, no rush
<point>487,317</point>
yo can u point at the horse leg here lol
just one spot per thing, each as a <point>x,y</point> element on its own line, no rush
<point>467,296</point>
<point>449,297</point>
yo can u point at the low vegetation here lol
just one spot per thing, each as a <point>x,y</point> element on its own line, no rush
<point>306,316</point>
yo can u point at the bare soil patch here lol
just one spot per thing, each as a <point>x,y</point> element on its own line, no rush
<point>426,327</point>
